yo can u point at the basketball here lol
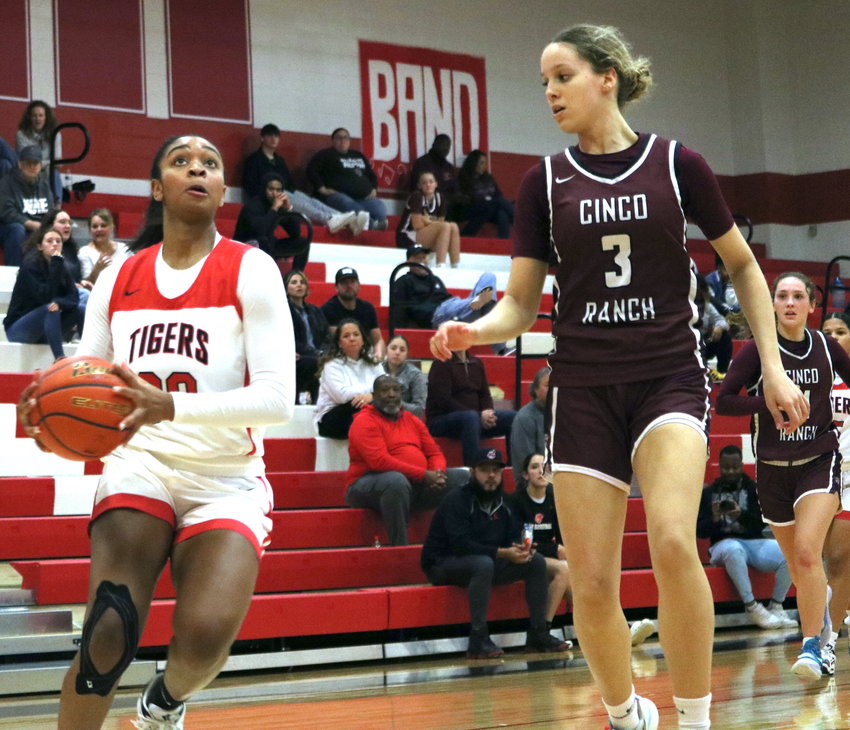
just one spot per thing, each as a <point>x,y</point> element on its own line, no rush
<point>77,411</point>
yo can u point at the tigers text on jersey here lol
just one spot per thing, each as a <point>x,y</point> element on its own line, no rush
<point>193,342</point>
<point>625,285</point>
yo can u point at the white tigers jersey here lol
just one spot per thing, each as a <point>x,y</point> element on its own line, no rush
<point>218,336</point>
<point>840,397</point>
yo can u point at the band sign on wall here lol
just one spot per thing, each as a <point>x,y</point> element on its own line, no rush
<point>409,95</point>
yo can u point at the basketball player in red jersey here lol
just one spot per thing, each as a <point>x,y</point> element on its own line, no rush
<point>628,391</point>
<point>836,550</point>
<point>798,475</point>
<point>201,326</point>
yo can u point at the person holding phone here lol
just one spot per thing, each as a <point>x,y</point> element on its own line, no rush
<point>729,517</point>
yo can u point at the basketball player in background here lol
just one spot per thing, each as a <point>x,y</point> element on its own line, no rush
<point>628,389</point>
<point>836,551</point>
<point>201,327</point>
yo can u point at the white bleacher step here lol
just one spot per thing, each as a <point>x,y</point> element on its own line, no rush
<point>8,421</point>
<point>331,454</point>
<point>299,426</point>
<point>16,597</point>
<point>18,358</point>
<point>22,456</point>
<point>46,676</point>
<point>27,621</point>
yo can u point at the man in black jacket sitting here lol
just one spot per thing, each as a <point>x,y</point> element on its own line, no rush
<point>475,542</point>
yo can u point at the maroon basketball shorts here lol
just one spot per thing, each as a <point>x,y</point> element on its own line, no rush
<point>596,430</point>
<point>780,486</point>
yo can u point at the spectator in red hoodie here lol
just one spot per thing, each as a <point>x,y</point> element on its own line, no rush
<point>395,466</point>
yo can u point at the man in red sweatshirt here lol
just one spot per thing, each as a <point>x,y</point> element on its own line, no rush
<point>395,466</point>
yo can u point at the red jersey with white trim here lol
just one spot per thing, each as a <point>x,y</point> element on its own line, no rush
<point>191,343</point>
<point>625,283</point>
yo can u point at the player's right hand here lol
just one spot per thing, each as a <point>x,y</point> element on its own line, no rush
<point>26,403</point>
<point>451,336</point>
<point>786,402</point>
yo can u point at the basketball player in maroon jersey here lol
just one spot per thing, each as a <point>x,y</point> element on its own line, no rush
<point>628,390</point>
<point>798,474</point>
<point>204,318</point>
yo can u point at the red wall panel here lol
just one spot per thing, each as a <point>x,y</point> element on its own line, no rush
<point>14,51</point>
<point>209,59</point>
<point>100,55</point>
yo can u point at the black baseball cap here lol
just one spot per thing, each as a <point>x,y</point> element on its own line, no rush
<point>346,272</point>
<point>30,152</point>
<point>416,249</point>
<point>488,456</point>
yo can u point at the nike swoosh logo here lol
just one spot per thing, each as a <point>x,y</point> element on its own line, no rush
<point>130,293</point>
<point>564,179</point>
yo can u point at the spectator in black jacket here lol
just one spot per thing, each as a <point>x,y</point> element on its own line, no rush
<point>8,158</point>
<point>475,542</point>
<point>25,196</point>
<point>345,180</point>
<point>262,214</point>
<point>266,159</point>
<point>729,517</point>
<point>312,334</point>
<point>422,300</point>
<point>43,306</point>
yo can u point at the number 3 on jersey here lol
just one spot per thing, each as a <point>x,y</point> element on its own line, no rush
<point>622,244</point>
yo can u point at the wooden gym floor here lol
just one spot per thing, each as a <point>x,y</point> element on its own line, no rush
<point>752,689</point>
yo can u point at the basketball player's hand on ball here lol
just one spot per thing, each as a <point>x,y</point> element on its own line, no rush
<point>451,336</point>
<point>151,405</point>
<point>25,405</point>
<point>785,401</point>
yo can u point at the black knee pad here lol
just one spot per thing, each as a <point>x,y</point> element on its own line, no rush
<point>116,597</point>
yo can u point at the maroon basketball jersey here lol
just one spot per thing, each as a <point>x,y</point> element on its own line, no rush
<point>625,284</point>
<point>810,365</point>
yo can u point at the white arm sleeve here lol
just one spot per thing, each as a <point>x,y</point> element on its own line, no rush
<point>97,335</point>
<point>269,397</point>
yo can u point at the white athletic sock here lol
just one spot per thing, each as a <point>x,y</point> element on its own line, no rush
<point>693,713</point>
<point>624,716</point>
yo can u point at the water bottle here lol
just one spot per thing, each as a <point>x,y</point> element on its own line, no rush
<point>377,542</point>
<point>838,293</point>
<point>527,535</point>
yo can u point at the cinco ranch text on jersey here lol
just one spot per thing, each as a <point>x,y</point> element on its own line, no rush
<point>802,377</point>
<point>613,209</point>
<point>616,311</point>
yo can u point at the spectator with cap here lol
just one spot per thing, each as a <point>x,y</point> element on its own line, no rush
<point>460,406</point>
<point>266,160</point>
<point>346,303</point>
<point>475,541</point>
<point>395,466</point>
<point>527,428</point>
<point>25,196</point>
<point>345,180</point>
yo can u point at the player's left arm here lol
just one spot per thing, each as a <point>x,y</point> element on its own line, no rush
<point>706,205</point>
<point>269,397</point>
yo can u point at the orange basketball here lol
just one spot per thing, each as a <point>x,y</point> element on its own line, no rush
<point>76,410</point>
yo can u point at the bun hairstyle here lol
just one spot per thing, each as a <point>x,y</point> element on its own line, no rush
<point>604,47</point>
